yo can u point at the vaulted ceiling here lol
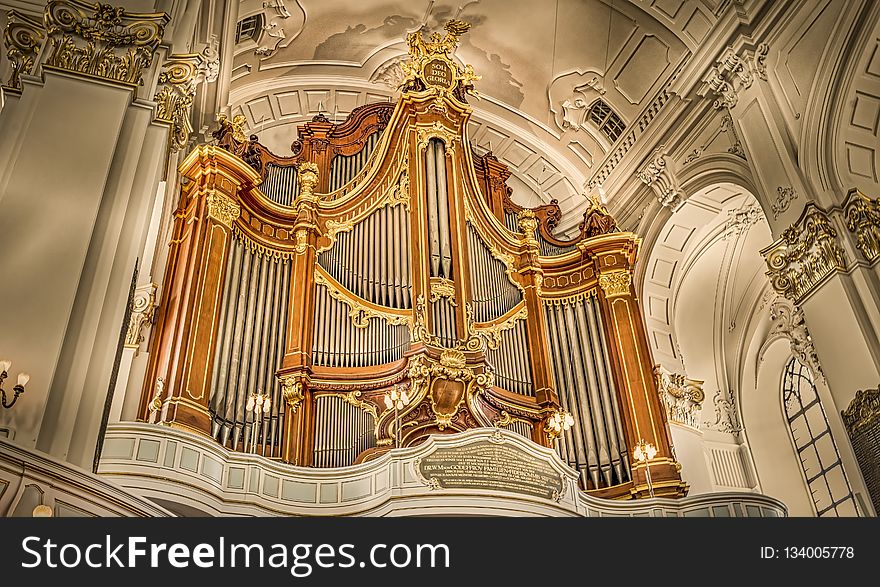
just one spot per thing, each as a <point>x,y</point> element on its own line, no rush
<point>543,64</point>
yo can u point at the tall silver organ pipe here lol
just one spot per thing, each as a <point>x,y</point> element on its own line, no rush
<point>595,445</point>
<point>251,337</point>
<point>342,432</point>
<point>444,322</point>
<point>513,370</point>
<point>493,293</point>
<point>343,168</point>
<point>438,209</point>
<point>521,427</point>
<point>548,249</point>
<point>339,343</point>
<point>372,260</point>
<point>280,184</point>
<point>511,221</point>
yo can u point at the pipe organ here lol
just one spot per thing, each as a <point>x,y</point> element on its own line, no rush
<point>386,259</point>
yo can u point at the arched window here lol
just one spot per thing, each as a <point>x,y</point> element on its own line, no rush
<point>606,119</point>
<point>816,449</point>
<point>248,28</point>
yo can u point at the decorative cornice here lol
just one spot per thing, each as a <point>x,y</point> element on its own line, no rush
<point>100,40</point>
<point>222,208</point>
<point>23,38</point>
<point>658,174</point>
<point>615,283</point>
<point>805,255</point>
<point>681,397</point>
<point>863,220</point>
<point>142,308</point>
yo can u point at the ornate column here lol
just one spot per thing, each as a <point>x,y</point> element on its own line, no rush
<point>294,375</point>
<point>539,354</point>
<point>182,354</point>
<point>76,108</point>
<point>643,413</point>
<point>658,173</point>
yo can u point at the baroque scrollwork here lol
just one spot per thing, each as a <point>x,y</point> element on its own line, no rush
<point>431,64</point>
<point>726,413</point>
<point>492,334</point>
<point>178,80</point>
<point>23,38</point>
<point>806,254</point>
<point>863,220</point>
<point>358,312</point>
<point>101,40</point>
<point>785,195</point>
<point>443,288</point>
<point>863,410</point>
<point>293,391</point>
<point>658,174</point>
<point>789,322</point>
<point>142,308</point>
<point>682,398</point>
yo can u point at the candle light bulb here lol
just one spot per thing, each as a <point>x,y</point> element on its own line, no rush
<point>23,379</point>
<point>5,365</point>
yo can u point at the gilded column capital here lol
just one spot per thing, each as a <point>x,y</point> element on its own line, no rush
<point>23,38</point>
<point>178,79</point>
<point>615,283</point>
<point>863,220</point>
<point>222,208</point>
<point>101,40</point>
<point>143,305</point>
<point>805,254</point>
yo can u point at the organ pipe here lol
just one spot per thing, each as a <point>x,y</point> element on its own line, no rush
<point>596,448</point>
<point>333,294</point>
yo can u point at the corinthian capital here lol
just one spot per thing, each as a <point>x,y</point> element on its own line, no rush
<point>658,174</point>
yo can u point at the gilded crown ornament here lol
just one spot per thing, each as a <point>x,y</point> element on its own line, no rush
<point>431,65</point>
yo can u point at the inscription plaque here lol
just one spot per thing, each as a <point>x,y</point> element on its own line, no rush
<point>491,465</point>
<point>438,73</point>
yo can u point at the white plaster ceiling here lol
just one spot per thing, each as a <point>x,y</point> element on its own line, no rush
<point>335,55</point>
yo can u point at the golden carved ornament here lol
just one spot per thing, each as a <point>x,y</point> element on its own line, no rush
<point>156,402</point>
<point>492,334</point>
<point>293,391</point>
<point>419,330</point>
<point>431,65</point>
<point>443,288</point>
<point>358,312</point>
<point>222,208</point>
<point>354,398</point>
<point>400,193</point>
<point>862,411</point>
<point>438,131</point>
<point>615,283</point>
<point>528,224</point>
<point>453,358</point>
<point>307,176</point>
<point>806,254</point>
<point>472,340</point>
<point>863,220</point>
<point>101,40</point>
<point>23,38</point>
<point>178,80</point>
